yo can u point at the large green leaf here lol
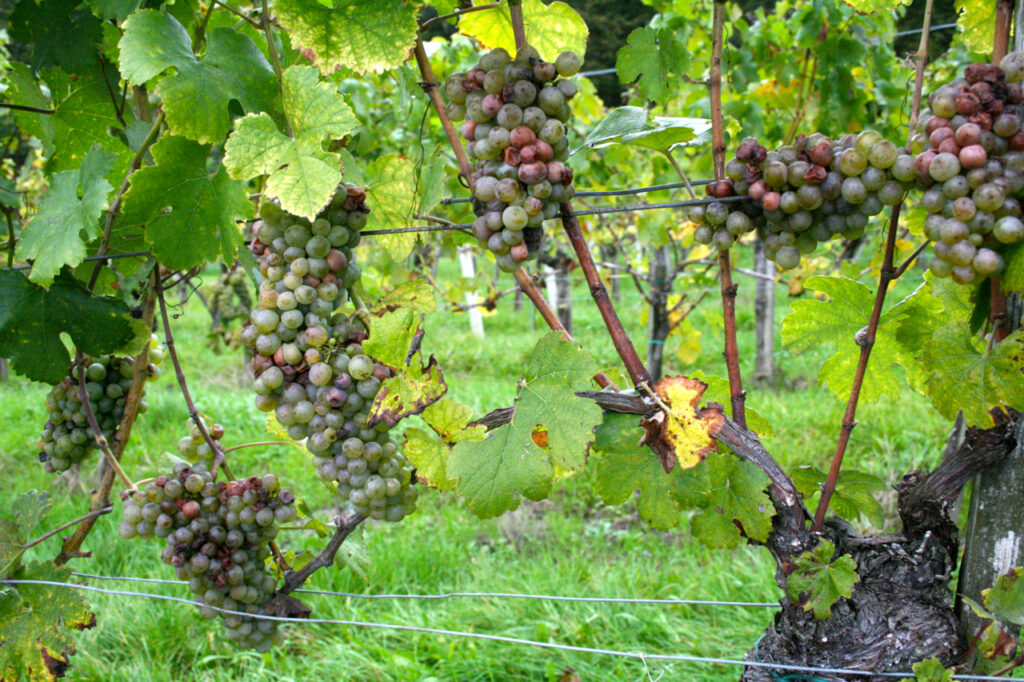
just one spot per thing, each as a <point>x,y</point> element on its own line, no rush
<point>652,55</point>
<point>838,322</point>
<point>854,493</point>
<point>391,196</point>
<point>83,116</point>
<point>36,623</point>
<point>189,214</point>
<point>552,29</point>
<point>367,37</point>
<point>195,98</point>
<point>1005,599</point>
<point>977,24</point>
<point>625,467</point>
<point>550,429</point>
<point>59,34</point>
<point>302,175</point>
<point>969,376</point>
<point>33,318</point>
<point>736,493</point>
<point>819,582</point>
<point>68,217</point>
<point>16,525</point>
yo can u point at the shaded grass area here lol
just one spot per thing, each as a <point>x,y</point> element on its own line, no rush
<point>569,545</point>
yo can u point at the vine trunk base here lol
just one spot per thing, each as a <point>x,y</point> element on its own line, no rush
<point>901,610</point>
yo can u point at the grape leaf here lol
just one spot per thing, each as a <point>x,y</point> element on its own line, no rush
<point>1005,599</point>
<point>449,420</point>
<point>736,491</point>
<point>652,55</point>
<point>35,622</point>
<point>853,495</point>
<point>971,377</point>
<point>930,670</point>
<point>869,6</point>
<point>391,337</point>
<point>819,582</point>
<point>838,322</point>
<point>82,116</point>
<point>623,467</point>
<point>552,29</point>
<point>977,23</point>
<point>392,199</point>
<point>1013,275</point>
<point>27,510</point>
<point>195,98</point>
<point>416,295</point>
<point>367,37</point>
<point>683,434</point>
<point>431,181</point>
<point>113,9</point>
<point>630,125</point>
<point>60,34</point>
<point>33,318</point>
<point>550,428</point>
<point>57,234</point>
<point>189,214</point>
<point>302,175</point>
<point>408,392</point>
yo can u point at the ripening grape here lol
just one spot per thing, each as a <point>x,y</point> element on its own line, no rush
<point>515,113</point>
<point>217,538</point>
<point>67,436</point>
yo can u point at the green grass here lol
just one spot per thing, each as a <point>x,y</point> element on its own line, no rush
<point>571,544</point>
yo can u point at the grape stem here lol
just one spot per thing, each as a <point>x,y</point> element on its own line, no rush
<point>85,517</point>
<point>888,274</point>
<point>71,547</point>
<point>219,460</point>
<point>293,580</point>
<point>866,340</point>
<point>457,13</point>
<point>515,12</point>
<point>97,432</point>
<point>278,557</point>
<point>737,396</point>
<point>361,312</point>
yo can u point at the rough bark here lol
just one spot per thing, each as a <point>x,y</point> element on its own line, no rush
<point>658,326</point>
<point>900,611</point>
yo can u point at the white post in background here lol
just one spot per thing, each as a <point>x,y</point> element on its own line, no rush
<point>551,285</point>
<point>468,265</point>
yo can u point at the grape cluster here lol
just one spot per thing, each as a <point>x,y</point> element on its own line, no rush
<point>515,115</point>
<point>217,538</point>
<point>194,447</point>
<point>811,191</point>
<point>67,437</point>
<point>229,299</point>
<point>970,157</point>
<point>309,363</point>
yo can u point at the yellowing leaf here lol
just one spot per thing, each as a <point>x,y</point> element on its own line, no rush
<point>552,29</point>
<point>682,435</point>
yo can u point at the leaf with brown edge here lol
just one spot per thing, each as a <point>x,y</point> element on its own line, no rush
<point>408,392</point>
<point>416,295</point>
<point>683,434</point>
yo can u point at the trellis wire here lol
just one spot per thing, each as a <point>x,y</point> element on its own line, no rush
<point>474,595</point>
<point>599,210</point>
<point>107,256</point>
<point>447,201</point>
<point>684,658</point>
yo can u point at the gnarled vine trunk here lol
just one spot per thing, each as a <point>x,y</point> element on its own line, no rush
<point>901,610</point>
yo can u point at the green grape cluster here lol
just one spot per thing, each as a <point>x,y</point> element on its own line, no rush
<point>309,365</point>
<point>67,437</point>
<point>217,538</point>
<point>194,447</point>
<point>970,159</point>
<point>802,194</point>
<point>515,115</point>
<point>229,299</point>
